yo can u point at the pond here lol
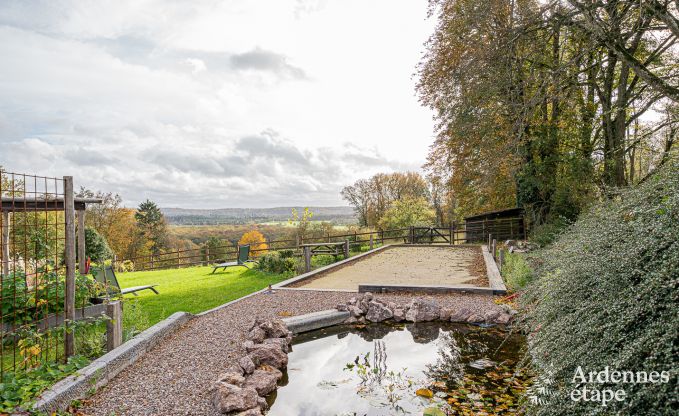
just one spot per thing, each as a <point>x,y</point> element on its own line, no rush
<point>392,369</point>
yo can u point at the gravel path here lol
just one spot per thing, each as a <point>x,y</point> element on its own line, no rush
<point>174,378</point>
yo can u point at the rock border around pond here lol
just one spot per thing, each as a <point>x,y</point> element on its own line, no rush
<point>242,389</point>
<point>367,308</point>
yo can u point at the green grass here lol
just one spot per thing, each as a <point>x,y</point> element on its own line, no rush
<point>193,289</point>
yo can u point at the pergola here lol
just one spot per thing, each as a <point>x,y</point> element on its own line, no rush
<point>27,204</point>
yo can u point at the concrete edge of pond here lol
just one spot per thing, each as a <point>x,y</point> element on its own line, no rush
<point>100,371</point>
<point>315,320</point>
<point>325,269</point>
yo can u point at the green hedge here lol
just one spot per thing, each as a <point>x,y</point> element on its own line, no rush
<point>606,295</point>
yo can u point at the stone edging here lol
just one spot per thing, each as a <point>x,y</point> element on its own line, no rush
<point>104,368</point>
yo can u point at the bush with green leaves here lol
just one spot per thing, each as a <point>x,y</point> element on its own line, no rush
<point>21,303</point>
<point>18,389</point>
<point>606,294</point>
<point>274,262</point>
<point>96,247</point>
<point>516,271</point>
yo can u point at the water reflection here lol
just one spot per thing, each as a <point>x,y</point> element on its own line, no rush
<point>377,369</point>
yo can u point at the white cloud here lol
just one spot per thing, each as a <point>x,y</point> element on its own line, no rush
<point>237,103</point>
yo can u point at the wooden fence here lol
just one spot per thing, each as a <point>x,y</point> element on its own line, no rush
<point>458,233</point>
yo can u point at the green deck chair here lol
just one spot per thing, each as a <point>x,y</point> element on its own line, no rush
<point>243,258</point>
<point>106,277</point>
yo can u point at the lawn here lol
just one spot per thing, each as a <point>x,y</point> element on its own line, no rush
<point>192,289</point>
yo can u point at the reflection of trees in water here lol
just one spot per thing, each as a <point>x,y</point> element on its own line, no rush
<point>448,366</point>
<point>459,347</point>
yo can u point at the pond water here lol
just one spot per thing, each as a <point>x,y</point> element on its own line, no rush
<point>393,369</point>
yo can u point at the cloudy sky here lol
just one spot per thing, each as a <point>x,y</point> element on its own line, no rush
<point>213,103</point>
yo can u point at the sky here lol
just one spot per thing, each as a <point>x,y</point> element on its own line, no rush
<point>213,103</point>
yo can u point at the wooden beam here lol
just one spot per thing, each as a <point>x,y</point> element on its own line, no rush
<point>81,241</point>
<point>69,296</point>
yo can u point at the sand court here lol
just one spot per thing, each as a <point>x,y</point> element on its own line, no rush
<point>408,265</point>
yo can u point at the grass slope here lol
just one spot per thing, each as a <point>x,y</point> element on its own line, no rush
<point>193,289</point>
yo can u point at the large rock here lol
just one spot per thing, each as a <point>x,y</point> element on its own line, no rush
<point>423,310</point>
<point>490,315</point>
<point>367,296</point>
<point>475,319</point>
<point>281,342</point>
<point>275,328</point>
<point>262,381</point>
<point>274,371</point>
<point>364,305</point>
<point>445,313</point>
<point>231,377</point>
<point>503,318</point>
<point>256,335</point>
<point>399,314</point>
<point>269,354</point>
<point>460,315</point>
<point>355,311</point>
<point>246,364</point>
<point>229,398</point>
<point>255,411</point>
<point>342,307</point>
<point>378,312</point>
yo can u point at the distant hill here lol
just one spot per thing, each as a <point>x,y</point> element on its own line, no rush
<point>182,216</point>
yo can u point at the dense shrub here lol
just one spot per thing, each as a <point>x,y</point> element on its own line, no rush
<point>606,295</point>
<point>96,247</point>
<point>273,262</point>
<point>516,271</point>
<point>545,234</point>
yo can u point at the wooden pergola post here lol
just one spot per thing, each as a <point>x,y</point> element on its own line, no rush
<point>69,296</point>
<point>82,260</point>
<point>5,243</point>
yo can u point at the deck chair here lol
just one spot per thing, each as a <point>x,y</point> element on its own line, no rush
<point>106,277</point>
<point>243,258</point>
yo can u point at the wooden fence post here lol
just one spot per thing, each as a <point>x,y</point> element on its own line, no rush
<point>501,259</point>
<point>114,326</point>
<point>82,260</point>
<point>69,296</point>
<point>494,245</point>
<point>207,255</point>
<point>307,259</point>
<point>5,243</point>
<point>346,249</point>
<point>371,241</point>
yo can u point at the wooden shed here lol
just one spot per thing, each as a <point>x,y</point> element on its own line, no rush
<point>505,224</point>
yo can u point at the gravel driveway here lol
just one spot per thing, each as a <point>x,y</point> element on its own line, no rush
<point>174,377</point>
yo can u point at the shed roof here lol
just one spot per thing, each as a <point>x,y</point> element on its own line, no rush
<point>502,213</point>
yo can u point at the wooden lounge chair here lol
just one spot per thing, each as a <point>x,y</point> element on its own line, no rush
<point>243,258</point>
<point>107,277</point>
